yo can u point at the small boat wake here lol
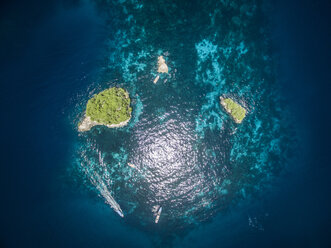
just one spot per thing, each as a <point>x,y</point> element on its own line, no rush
<point>97,181</point>
<point>103,190</point>
<point>88,167</point>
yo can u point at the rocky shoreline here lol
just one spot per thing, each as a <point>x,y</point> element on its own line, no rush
<point>87,124</point>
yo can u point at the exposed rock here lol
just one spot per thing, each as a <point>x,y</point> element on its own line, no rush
<point>87,124</point>
<point>161,65</point>
<point>156,79</point>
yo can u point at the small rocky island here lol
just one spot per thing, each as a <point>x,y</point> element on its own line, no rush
<point>237,112</point>
<point>161,68</point>
<point>110,108</point>
<point>161,65</point>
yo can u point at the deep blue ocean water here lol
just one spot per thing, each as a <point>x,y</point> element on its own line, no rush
<point>263,183</point>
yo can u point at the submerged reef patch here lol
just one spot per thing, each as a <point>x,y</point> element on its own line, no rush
<point>188,156</point>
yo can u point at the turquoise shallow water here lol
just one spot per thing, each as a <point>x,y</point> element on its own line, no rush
<point>263,183</point>
<point>191,158</point>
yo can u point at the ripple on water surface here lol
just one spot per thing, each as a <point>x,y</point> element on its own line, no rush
<point>190,157</point>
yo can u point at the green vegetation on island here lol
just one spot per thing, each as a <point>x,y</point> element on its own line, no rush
<point>237,112</point>
<point>110,107</point>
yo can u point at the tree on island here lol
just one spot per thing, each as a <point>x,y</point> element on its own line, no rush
<point>111,106</point>
<point>237,112</point>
